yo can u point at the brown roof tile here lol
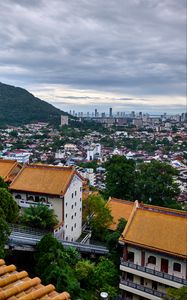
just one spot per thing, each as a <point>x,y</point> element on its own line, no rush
<point>9,169</point>
<point>18,286</point>
<point>119,209</point>
<point>43,179</point>
<point>157,228</point>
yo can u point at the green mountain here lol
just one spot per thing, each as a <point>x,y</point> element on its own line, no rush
<point>18,106</point>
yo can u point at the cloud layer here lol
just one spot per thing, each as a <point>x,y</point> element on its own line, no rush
<point>110,48</point>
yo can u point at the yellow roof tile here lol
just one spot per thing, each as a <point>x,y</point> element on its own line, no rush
<point>119,209</point>
<point>43,179</point>
<point>8,169</point>
<point>157,228</point>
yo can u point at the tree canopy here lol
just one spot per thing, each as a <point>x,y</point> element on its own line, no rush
<point>176,294</point>
<point>8,213</point>
<point>98,215</point>
<point>40,216</point>
<point>120,177</point>
<point>67,271</point>
<point>151,183</point>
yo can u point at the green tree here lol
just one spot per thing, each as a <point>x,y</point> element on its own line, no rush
<point>8,206</point>
<point>112,239</point>
<point>40,216</point>
<point>2,183</point>
<point>99,216</point>
<point>85,271</point>
<point>56,265</point>
<point>4,232</point>
<point>155,184</point>
<point>8,213</point>
<point>176,294</point>
<point>106,277</point>
<point>120,178</point>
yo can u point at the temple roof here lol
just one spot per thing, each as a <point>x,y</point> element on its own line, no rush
<point>44,179</point>
<point>18,285</point>
<point>157,228</point>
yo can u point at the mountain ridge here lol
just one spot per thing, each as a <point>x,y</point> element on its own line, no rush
<point>19,107</point>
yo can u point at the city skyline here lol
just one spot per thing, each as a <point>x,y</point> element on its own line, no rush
<point>128,55</point>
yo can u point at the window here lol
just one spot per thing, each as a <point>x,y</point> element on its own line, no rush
<point>142,280</point>
<point>152,260</point>
<point>72,239</point>
<point>72,206</point>
<point>66,226</point>
<point>75,225</point>
<point>66,204</point>
<point>154,285</point>
<point>75,203</point>
<point>37,199</point>
<point>75,193</point>
<point>66,238</point>
<point>177,267</point>
<point>72,195</point>
<point>80,199</point>
<point>18,196</point>
<point>75,214</point>
<point>30,198</point>
<point>80,188</point>
<point>72,217</point>
<point>72,228</point>
<point>80,209</point>
<point>131,256</point>
<point>66,215</point>
<point>130,277</point>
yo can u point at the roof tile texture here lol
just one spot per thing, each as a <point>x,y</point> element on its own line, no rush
<point>43,179</point>
<point>17,285</point>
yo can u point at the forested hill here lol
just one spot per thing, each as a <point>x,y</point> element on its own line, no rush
<point>18,106</point>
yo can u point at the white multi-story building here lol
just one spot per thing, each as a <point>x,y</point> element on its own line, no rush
<point>154,258</point>
<point>60,188</point>
<point>88,173</point>
<point>93,152</point>
<point>20,155</point>
<point>64,120</point>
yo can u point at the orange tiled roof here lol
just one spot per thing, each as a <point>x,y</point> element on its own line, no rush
<point>43,179</point>
<point>157,228</point>
<point>8,169</point>
<point>17,285</point>
<point>119,209</point>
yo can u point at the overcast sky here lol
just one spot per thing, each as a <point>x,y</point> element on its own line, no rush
<point>86,54</point>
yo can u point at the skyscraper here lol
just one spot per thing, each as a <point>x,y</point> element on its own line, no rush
<point>110,112</point>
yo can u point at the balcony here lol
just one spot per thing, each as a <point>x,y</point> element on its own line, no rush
<point>142,289</point>
<point>28,203</point>
<point>154,272</point>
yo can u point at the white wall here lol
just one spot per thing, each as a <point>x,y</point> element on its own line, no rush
<point>73,210</point>
<point>171,261</point>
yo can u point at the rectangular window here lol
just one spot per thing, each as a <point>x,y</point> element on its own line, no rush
<point>177,267</point>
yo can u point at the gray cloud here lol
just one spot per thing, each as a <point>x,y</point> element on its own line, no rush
<point>132,47</point>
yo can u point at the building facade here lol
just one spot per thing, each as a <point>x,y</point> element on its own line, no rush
<point>59,188</point>
<point>154,257</point>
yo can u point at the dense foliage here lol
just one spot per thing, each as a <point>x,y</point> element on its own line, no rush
<point>151,183</point>
<point>176,294</point>
<point>98,216</point>
<point>21,107</point>
<point>67,271</point>
<point>8,213</point>
<point>39,216</point>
